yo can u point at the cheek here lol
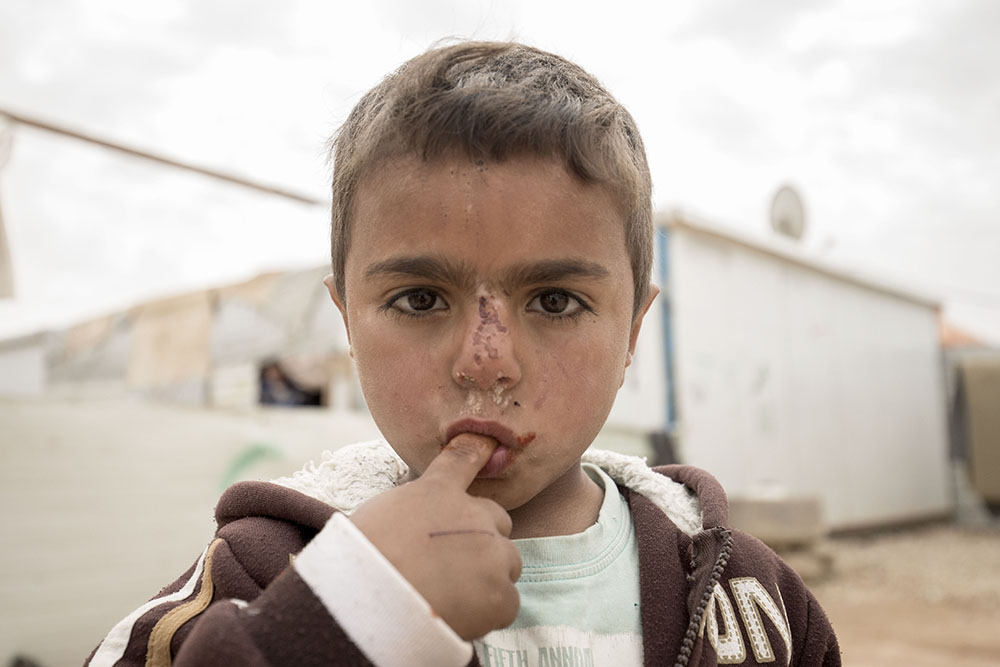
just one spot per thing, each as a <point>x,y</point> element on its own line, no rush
<point>389,381</point>
<point>392,372</point>
<point>581,374</point>
<point>400,391</point>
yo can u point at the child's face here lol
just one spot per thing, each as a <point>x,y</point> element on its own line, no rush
<point>493,299</point>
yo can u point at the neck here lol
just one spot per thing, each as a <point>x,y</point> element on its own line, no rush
<point>569,505</point>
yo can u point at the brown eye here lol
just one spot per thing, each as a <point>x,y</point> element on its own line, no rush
<point>417,301</point>
<point>558,304</point>
<point>553,302</point>
<point>420,300</point>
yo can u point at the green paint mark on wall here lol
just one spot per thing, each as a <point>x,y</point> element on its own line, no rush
<point>246,459</point>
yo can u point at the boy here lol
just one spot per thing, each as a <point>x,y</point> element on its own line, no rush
<point>491,258</point>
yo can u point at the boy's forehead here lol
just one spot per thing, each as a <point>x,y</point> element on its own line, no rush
<point>410,211</point>
<point>412,171</point>
<point>397,183</point>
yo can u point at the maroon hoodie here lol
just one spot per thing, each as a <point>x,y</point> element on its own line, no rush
<point>719,597</point>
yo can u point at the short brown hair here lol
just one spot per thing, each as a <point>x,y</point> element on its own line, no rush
<point>491,101</point>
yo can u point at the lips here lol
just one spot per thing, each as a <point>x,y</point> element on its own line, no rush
<point>510,445</point>
<point>503,435</point>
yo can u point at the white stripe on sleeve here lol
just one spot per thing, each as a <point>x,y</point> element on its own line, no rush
<point>113,647</point>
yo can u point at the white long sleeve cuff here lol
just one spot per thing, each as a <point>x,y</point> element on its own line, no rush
<point>373,603</point>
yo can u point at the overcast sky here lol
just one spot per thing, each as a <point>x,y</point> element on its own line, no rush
<point>883,114</point>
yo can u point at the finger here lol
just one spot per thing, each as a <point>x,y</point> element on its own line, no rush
<point>510,607</point>
<point>501,519</point>
<point>460,460</point>
<point>515,564</point>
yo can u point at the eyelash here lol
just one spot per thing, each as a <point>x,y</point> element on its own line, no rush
<point>390,308</point>
<point>583,309</point>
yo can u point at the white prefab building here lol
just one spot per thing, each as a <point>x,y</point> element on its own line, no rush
<point>786,378</point>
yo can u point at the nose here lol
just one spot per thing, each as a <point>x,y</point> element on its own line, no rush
<point>486,357</point>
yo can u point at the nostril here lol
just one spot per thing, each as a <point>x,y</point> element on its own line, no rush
<point>464,379</point>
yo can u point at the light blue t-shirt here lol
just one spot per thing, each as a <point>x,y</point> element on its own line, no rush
<point>579,596</point>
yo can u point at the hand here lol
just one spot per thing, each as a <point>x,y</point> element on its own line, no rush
<point>452,547</point>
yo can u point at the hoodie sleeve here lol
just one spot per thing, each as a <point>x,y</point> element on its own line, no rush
<point>820,647</point>
<point>338,603</point>
<point>779,615</point>
<point>745,604</point>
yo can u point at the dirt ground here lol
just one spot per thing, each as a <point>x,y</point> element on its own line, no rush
<point>916,597</point>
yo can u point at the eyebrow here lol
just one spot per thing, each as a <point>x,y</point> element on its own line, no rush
<point>438,269</point>
<point>551,271</point>
<point>427,267</point>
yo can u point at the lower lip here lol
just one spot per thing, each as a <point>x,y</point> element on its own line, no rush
<point>501,459</point>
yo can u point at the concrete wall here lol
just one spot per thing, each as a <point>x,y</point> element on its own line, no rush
<point>103,503</point>
<point>794,381</point>
<point>22,367</point>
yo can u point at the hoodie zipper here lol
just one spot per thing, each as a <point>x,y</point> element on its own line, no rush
<point>694,625</point>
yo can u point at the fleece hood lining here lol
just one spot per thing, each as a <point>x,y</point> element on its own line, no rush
<point>349,476</point>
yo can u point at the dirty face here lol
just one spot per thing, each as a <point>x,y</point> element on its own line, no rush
<point>493,299</point>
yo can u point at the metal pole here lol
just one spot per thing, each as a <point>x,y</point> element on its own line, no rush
<point>6,266</point>
<point>145,155</point>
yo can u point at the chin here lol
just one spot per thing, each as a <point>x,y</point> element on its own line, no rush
<point>494,489</point>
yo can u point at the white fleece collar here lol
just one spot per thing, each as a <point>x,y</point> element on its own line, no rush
<point>351,475</point>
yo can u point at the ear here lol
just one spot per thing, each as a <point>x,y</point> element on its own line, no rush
<point>331,287</point>
<point>636,325</point>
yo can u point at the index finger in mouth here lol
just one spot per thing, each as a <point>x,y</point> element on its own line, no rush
<point>461,459</point>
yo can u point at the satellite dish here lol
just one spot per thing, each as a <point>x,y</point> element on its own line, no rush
<point>788,215</point>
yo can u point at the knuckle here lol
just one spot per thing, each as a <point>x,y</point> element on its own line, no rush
<point>488,507</point>
<point>497,513</point>
<point>516,565</point>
